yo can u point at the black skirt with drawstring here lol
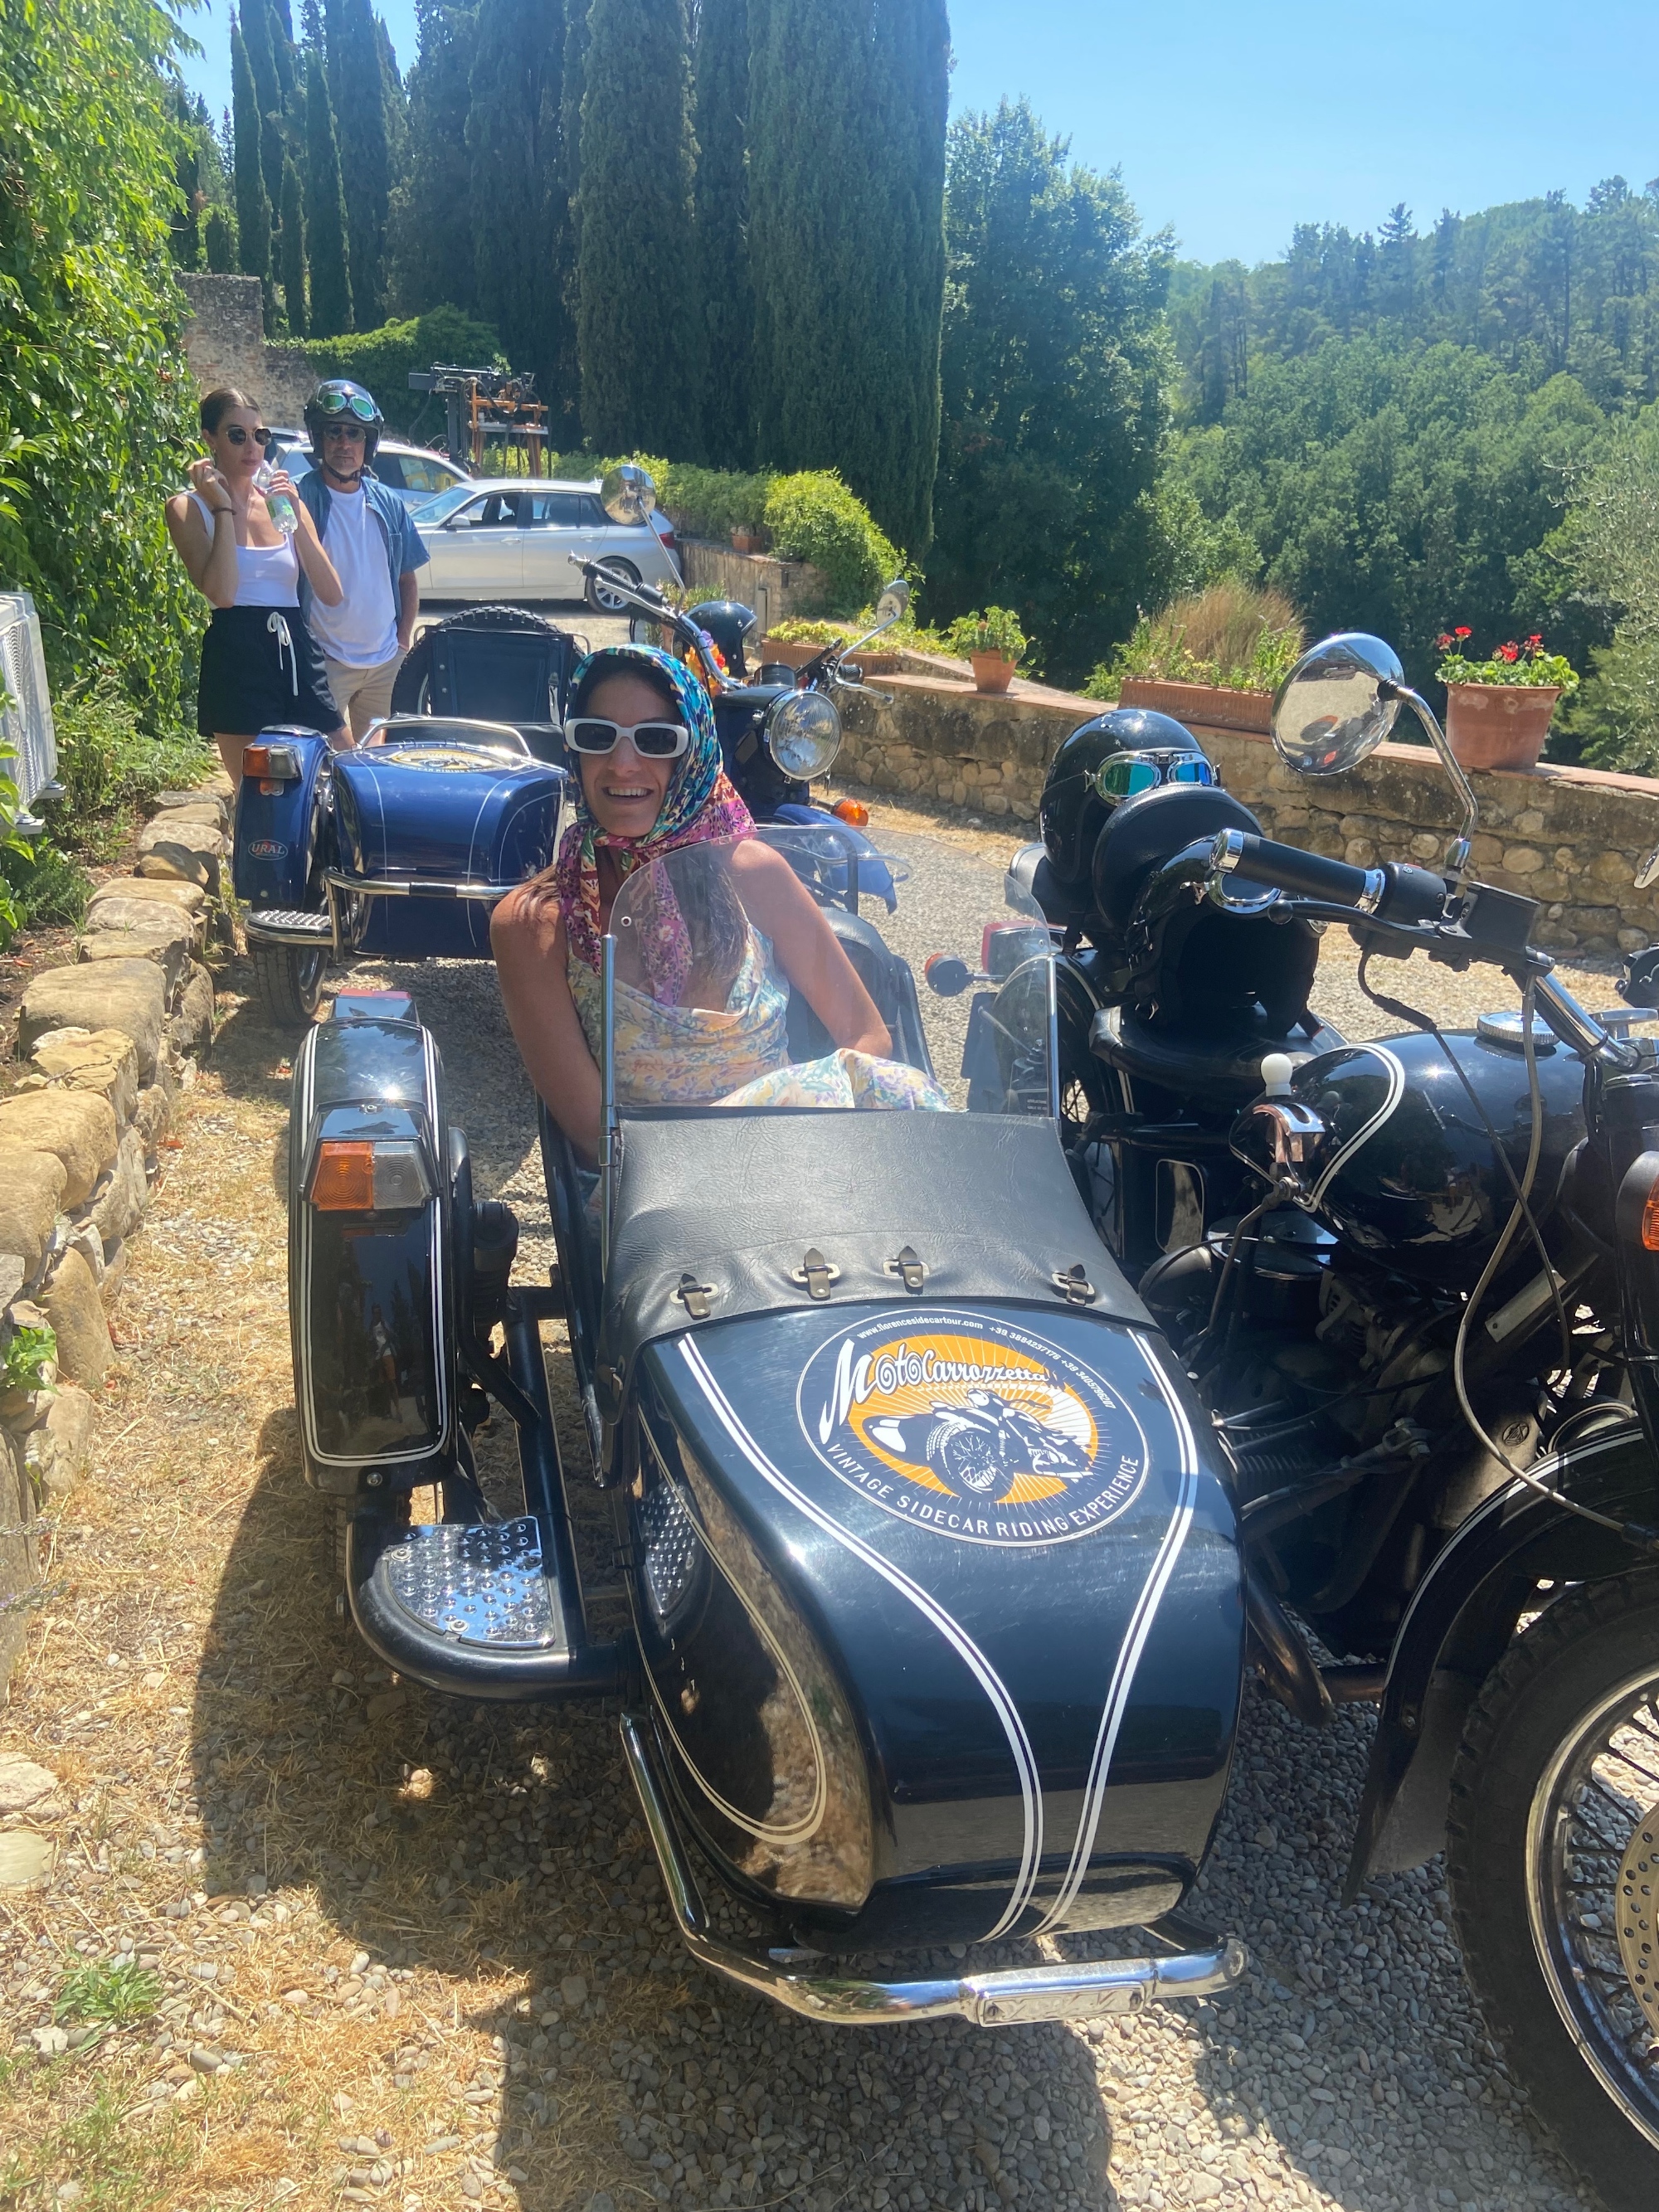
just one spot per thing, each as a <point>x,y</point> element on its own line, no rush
<point>260,666</point>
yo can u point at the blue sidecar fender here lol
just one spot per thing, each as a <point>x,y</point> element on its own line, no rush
<point>279,821</point>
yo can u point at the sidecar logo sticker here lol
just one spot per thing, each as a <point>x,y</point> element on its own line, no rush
<point>1129,1653</point>
<point>973,1427</point>
<point>266,849</point>
<point>1019,1744</point>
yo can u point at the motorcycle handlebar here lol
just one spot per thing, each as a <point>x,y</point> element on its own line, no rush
<point>1395,892</point>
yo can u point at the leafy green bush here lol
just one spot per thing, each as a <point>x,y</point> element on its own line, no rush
<point>30,1358</point>
<point>109,768</point>
<point>382,360</point>
<point>1233,634</point>
<point>713,502</point>
<point>813,517</point>
<point>49,890</point>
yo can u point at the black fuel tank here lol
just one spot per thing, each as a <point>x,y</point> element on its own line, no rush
<point>1408,1170</point>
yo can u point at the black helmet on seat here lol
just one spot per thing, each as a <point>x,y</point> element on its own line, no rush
<point>735,629</point>
<point>1076,799</point>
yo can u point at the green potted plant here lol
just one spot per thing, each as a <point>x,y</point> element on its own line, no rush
<point>993,642</point>
<point>1499,710</point>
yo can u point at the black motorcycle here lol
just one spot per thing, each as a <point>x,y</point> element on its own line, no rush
<point>1416,1282</point>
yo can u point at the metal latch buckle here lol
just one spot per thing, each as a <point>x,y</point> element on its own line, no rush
<point>815,1273</point>
<point>907,1265</point>
<point>694,1296</point>
<point>1074,1286</point>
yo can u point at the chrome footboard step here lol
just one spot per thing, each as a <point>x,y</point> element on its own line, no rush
<point>480,1583</point>
<point>289,925</point>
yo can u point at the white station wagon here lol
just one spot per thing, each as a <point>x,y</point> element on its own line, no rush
<point>510,537</point>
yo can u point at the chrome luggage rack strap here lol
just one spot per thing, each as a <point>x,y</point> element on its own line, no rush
<point>1084,1990</point>
<point>433,887</point>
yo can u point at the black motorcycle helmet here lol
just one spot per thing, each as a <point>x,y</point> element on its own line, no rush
<point>339,400</point>
<point>734,628</point>
<point>1074,808</point>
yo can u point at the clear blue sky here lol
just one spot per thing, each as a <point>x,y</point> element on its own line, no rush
<point>1231,122</point>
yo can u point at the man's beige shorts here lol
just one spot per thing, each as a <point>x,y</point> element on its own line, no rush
<point>362,695</point>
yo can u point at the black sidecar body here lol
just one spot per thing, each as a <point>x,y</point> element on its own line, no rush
<point>933,1568</point>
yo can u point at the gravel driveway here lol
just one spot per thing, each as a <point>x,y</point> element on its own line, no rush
<point>414,1954</point>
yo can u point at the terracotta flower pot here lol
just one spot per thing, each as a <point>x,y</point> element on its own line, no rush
<point>746,541</point>
<point>992,672</point>
<point>1498,725</point>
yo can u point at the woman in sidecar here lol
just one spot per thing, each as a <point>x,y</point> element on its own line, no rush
<point>642,732</point>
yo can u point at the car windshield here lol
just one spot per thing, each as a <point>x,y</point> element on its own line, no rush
<point>440,508</point>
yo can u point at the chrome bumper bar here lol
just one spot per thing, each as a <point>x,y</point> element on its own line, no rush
<point>432,887</point>
<point>1088,1989</point>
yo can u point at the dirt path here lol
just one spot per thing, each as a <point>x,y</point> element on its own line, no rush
<point>378,1948</point>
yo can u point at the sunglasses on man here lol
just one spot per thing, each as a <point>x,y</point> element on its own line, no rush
<point>590,733</point>
<point>238,436</point>
<point>353,432</point>
<point>1125,775</point>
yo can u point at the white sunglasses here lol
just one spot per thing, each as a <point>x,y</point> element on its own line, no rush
<point>591,734</point>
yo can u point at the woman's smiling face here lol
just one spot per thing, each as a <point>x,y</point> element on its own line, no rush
<point>625,791</point>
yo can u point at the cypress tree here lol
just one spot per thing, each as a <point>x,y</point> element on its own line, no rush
<point>846,176</point>
<point>221,243</point>
<point>330,266</point>
<point>360,116</point>
<point>722,76</point>
<point>395,107</point>
<point>637,331</point>
<point>253,206</point>
<point>570,106</point>
<point>294,251</point>
<point>512,136</point>
<point>432,243</point>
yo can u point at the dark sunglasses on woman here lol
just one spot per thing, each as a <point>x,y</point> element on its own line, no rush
<point>589,733</point>
<point>238,436</point>
<point>1125,775</point>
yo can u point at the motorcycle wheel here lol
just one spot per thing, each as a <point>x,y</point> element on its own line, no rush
<point>1553,1869</point>
<point>288,982</point>
<point>972,1464</point>
<point>607,603</point>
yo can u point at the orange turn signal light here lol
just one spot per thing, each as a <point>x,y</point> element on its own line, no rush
<point>344,1179</point>
<point>852,811</point>
<point>1650,1221</point>
<point>255,760</point>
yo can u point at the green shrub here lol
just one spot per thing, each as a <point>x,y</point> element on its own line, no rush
<point>1233,634</point>
<point>713,502</point>
<point>813,517</point>
<point>109,768</point>
<point>382,360</point>
<point>49,890</point>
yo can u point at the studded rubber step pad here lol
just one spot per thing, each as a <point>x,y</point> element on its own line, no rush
<point>291,921</point>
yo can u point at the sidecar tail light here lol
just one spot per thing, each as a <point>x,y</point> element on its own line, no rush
<point>271,763</point>
<point>1650,1220</point>
<point>353,1176</point>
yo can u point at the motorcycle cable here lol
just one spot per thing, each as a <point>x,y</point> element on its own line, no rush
<point>1402,1012</point>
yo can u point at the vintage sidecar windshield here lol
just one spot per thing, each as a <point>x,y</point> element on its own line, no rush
<point>703,1013</point>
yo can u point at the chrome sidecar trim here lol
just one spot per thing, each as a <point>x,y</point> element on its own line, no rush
<point>1079,1989</point>
<point>432,887</point>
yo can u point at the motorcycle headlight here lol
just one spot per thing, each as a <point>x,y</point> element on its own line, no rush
<point>803,730</point>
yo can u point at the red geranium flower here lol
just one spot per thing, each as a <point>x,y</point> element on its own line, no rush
<point>1509,652</point>
<point>1442,643</point>
<point>1462,633</point>
<point>1535,641</point>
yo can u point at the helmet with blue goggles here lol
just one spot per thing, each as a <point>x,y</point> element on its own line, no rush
<point>1126,775</point>
<point>346,398</point>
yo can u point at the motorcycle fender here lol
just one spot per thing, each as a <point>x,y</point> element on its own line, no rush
<point>372,1294</point>
<point>1462,1617</point>
<point>277,825</point>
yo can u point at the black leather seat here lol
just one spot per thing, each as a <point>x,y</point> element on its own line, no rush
<point>1225,1068</point>
<point>494,664</point>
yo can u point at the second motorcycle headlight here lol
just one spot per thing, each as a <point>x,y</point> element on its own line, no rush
<point>803,730</point>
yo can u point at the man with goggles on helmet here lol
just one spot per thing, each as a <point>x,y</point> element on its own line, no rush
<point>376,550</point>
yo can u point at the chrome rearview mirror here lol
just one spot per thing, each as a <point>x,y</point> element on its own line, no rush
<point>627,492</point>
<point>894,604</point>
<point>1337,704</point>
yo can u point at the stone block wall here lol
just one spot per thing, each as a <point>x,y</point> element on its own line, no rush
<point>110,1037</point>
<point>1572,838</point>
<point>225,343</point>
<point>778,591</point>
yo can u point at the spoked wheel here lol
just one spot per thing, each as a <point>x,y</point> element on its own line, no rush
<point>1554,1871</point>
<point>289,979</point>
<point>972,1464</point>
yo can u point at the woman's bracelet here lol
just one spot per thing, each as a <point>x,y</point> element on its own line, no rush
<point>221,510</point>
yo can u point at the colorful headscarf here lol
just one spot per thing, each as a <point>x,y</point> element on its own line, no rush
<point>700,806</point>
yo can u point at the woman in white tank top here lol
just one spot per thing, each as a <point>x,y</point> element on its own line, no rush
<point>260,665</point>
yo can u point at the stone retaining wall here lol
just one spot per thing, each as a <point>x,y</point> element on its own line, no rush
<point>225,343</point>
<point>778,591</point>
<point>110,1038</point>
<point>1571,837</point>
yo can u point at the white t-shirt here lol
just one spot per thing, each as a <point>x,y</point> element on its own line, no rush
<point>362,632</point>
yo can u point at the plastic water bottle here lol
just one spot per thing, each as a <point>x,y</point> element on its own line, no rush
<point>278,505</point>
